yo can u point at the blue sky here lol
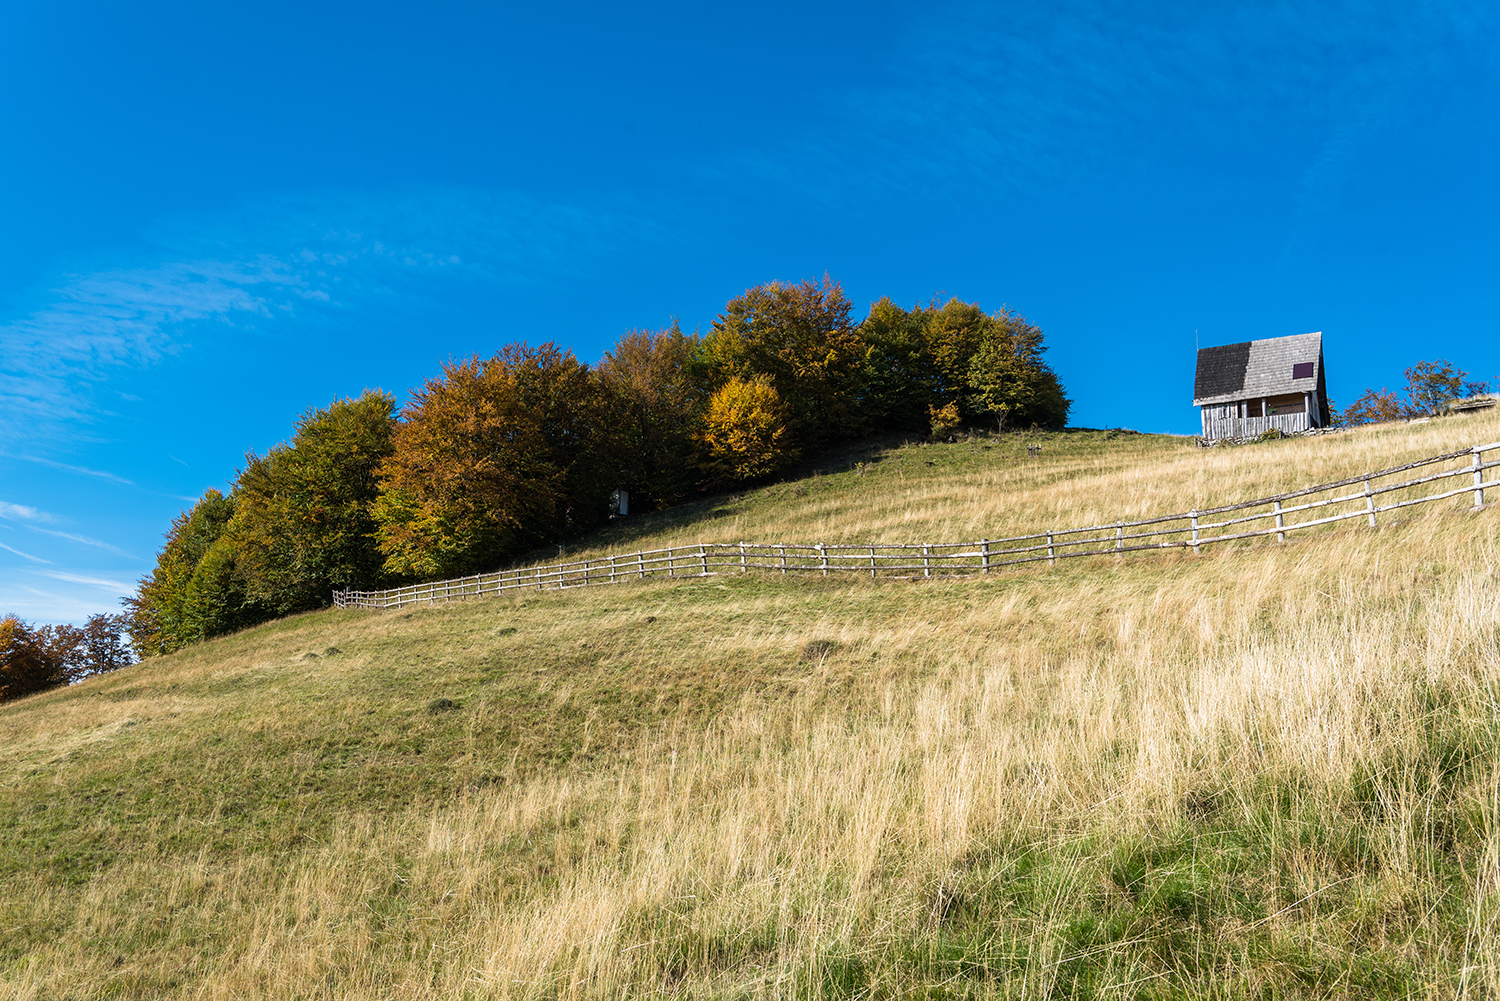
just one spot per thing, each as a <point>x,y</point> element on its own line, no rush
<point>216,216</point>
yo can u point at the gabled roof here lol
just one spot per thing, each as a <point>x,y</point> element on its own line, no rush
<point>1254,369</point>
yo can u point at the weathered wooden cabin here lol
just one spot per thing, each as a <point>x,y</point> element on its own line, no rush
<point>1252,387</point>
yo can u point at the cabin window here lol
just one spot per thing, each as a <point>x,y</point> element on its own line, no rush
<point>1290,403</point>
<point>1302,370</point>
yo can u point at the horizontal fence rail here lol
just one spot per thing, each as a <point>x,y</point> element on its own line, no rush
<point>1452,474</point>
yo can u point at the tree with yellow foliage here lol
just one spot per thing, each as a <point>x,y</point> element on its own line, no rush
<point>745,431</point>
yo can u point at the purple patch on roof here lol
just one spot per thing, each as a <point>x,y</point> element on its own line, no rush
<point>1302,370</point>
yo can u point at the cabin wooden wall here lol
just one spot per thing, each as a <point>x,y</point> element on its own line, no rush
<point>1223,422</point>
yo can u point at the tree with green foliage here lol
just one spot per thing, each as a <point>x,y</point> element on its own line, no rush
<point>296,526</point>
<point>1431,384</point>
<point>302,525</point>
<point>172,606</point>
<point>926,359</point>
<point>496,457</point>
<point>991,365</point>
<point>799,338</point>
<point>899,377</point>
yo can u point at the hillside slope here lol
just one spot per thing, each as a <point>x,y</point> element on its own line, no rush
<point>989,487</point>
<point>1258,772</point>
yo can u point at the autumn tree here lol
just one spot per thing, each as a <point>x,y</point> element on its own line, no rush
<point>745,431</point>
<point>1375,406</point>
<point>36,658</point>
<point>800,340</point>
<point>98,647</point>
<point>495,457</point>
<point>30,661</point>
<point>1430,385</point>
<point>660,385</point>
<point>943,421</point>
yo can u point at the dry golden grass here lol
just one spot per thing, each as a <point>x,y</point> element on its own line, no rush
<point>989,488</point>
<point>1254,773</point>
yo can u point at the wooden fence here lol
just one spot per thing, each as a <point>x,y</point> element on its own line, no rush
<point>1366,496</point>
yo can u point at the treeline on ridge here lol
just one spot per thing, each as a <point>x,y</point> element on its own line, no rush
<point>498,456</point>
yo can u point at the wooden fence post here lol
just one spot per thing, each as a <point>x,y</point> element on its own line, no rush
<point>1370,503</point>
<point>984,555</point>
<point>1119,535</point>
<point>783,559</point>
<point>1194,515</point>
<point>1051,553</point>
<point>703,556</point>
<point>1478,480</point>
<point>872,562</point>
<point>823,552</point>
<point>743,567</point>
<point>927,561</point>
<point>1280,535</point>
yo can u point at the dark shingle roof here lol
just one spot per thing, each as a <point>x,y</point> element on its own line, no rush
<point>1257,368</point>
<point>1221,370</point>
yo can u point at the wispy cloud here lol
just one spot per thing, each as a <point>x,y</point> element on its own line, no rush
<point>82,470</point>
<point>85,541</point>
<point>246,271</point>
<point>22,512</point>
<point>113,585</point>
<point>25,556</point>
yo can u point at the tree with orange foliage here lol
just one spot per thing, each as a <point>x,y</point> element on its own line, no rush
<point>1429,386</point>
<point>36,658</point>
<point>495,457</point>
<point>1375,406</point>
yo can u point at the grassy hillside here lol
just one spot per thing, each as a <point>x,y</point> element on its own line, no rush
<point>990,488</point>
<point>1257,773</point>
